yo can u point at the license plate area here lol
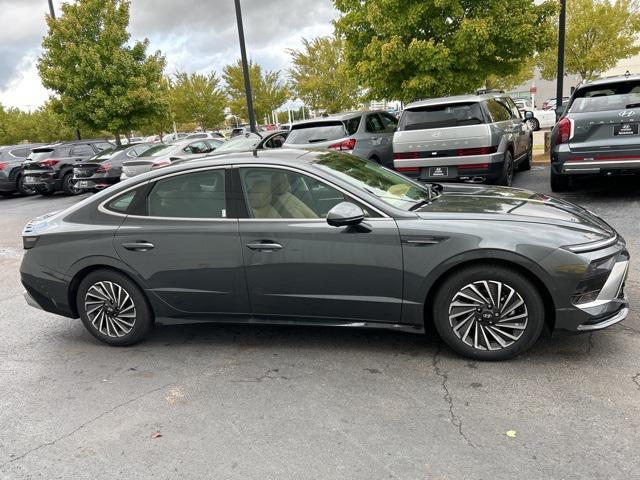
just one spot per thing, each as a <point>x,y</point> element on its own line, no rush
<point>438,171</point>
<point>625,129</point>
<point>31,179</point>
<point>84,184</point>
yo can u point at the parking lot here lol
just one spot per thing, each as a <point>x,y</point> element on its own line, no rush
<point>281,402</point>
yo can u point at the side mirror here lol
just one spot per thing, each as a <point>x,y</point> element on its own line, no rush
<point>345,214</point>
<point>560,111</point>
<point>528,115</point>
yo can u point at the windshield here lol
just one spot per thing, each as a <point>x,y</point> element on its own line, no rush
<point>316,132</point>
<point>441,116</point>
<point>241,143</point>
<point>599,98</point>
<point>388,186</point>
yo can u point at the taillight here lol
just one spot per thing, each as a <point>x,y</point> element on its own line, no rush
<point>404,155</point>
<point>3,165</point>
<point>104,168</point>
<point>29,242</point>
<point>48,163</point>
<point>463,152</point>
<point>407,169</point>
<point>564,131</point>
<point>346,145</point>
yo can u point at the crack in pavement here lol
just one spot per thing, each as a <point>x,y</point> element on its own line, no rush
<point>455,419</point>
<point>591,343</point>
<point>83,425</point>
<point>266,376</point>
<point>636,379</point>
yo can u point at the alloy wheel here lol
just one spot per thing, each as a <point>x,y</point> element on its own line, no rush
<point>110,309</point>
<point>488,315</point>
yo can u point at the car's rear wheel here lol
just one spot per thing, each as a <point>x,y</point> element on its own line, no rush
<point>560,183</point>
<point>113,308</point>
<point>23,188</point>
<point>488,312</point>
<point>68,186</point>
<point>506,178</point>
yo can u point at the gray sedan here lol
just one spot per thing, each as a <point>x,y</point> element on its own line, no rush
<point>324,238</point>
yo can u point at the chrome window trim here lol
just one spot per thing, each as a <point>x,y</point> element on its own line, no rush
<point>102,208</point>
<point>316,177</point>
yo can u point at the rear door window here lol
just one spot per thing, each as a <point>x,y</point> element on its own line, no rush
<point>82,151</point>
<point>600,98</point>
<point>191,195</point>
<point>499,111</point>
<point>374,124</point>
<point>315,132</point>
<point>442,116</point>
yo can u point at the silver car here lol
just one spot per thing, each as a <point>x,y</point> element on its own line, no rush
<point>365,134</point>
<point>470,138</point>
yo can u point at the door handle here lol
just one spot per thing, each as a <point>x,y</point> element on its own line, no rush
<point>265,246</point>
<point>138,246</point>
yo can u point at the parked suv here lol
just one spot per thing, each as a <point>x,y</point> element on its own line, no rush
<point>11,177</point>
<point>598,133</point>
<point>365,134</point>
<point>470,138</point>
<point>49,169</point>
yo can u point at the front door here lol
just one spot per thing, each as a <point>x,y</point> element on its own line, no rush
<point>185,246</point>
<point>299,266</point>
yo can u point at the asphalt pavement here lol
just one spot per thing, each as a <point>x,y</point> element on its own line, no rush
<point>238,402</point>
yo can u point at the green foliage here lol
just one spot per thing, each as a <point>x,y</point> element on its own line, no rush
<point>269,91</point>
<point>407,49</point>
<point>197,99</point>
<point>599,34</point>
<point>42,125</point>
<point>103,82</point>
<point>320,78</point>
<point>507,82</point>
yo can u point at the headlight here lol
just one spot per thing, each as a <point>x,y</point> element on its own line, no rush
<point>590,246</point>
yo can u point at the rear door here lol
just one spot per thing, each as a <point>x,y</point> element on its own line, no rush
<point>521,133</point>
<point>183,241</point>
<point>606,118</point>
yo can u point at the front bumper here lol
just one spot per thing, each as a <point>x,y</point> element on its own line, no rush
<point>606,322</point>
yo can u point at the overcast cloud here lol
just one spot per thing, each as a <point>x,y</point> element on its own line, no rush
<point>195,35</point>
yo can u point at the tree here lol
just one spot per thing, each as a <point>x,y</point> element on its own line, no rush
<point>198,99</point>
<point>103,82</point>
<point>408,49</point>
<point>599,34</point>
<point>269,91</point>
<point>320,77</point>
<point>507,82</point>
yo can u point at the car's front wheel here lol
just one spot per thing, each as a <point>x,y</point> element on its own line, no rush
<point>113,308</point>
<point>488,312</point>
<point>506,177</point>
<point>23,188</point>
<point>69,186</point>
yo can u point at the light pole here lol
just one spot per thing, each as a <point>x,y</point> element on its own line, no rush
<point>561,34</point>
<point>52,12</point>
<point>245,69</point>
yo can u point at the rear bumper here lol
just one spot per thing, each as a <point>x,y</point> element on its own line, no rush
<point>564,161</point>
<point>96,183</point>
<point>475,168</point>
<point>42,180</point>
<point>7,186</point>
<point>45,289</point>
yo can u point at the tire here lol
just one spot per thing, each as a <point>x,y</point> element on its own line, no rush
<point>113,322</point>
<point>24,189</point>
<point>458,330</point>
<point>560,183</point>
<point>68,186</point>
<point>506,178</point>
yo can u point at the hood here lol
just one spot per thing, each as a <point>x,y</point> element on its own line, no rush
<point>516,205</point>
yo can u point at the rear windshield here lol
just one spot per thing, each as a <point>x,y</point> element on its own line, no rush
<point>599,98</point>
<point>156,150</point>
<point>318,132</point>
<point>245,142</point>
<point>42,154</point>
<point>441,116</point>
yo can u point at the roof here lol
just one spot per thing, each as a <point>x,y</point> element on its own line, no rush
<point>612,79</point>
<point>73,142</point>
<point>337,117</point>
<point>453,99</point>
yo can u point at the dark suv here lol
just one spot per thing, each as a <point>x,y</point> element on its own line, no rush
<point>598,133</point>
<point>11,178</point>
<point>50,168</point>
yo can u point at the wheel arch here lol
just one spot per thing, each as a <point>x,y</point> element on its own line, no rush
<point>82,271</point>
<point>527,268</point>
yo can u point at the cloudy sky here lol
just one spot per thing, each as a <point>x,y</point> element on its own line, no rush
<point>195,35</point>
